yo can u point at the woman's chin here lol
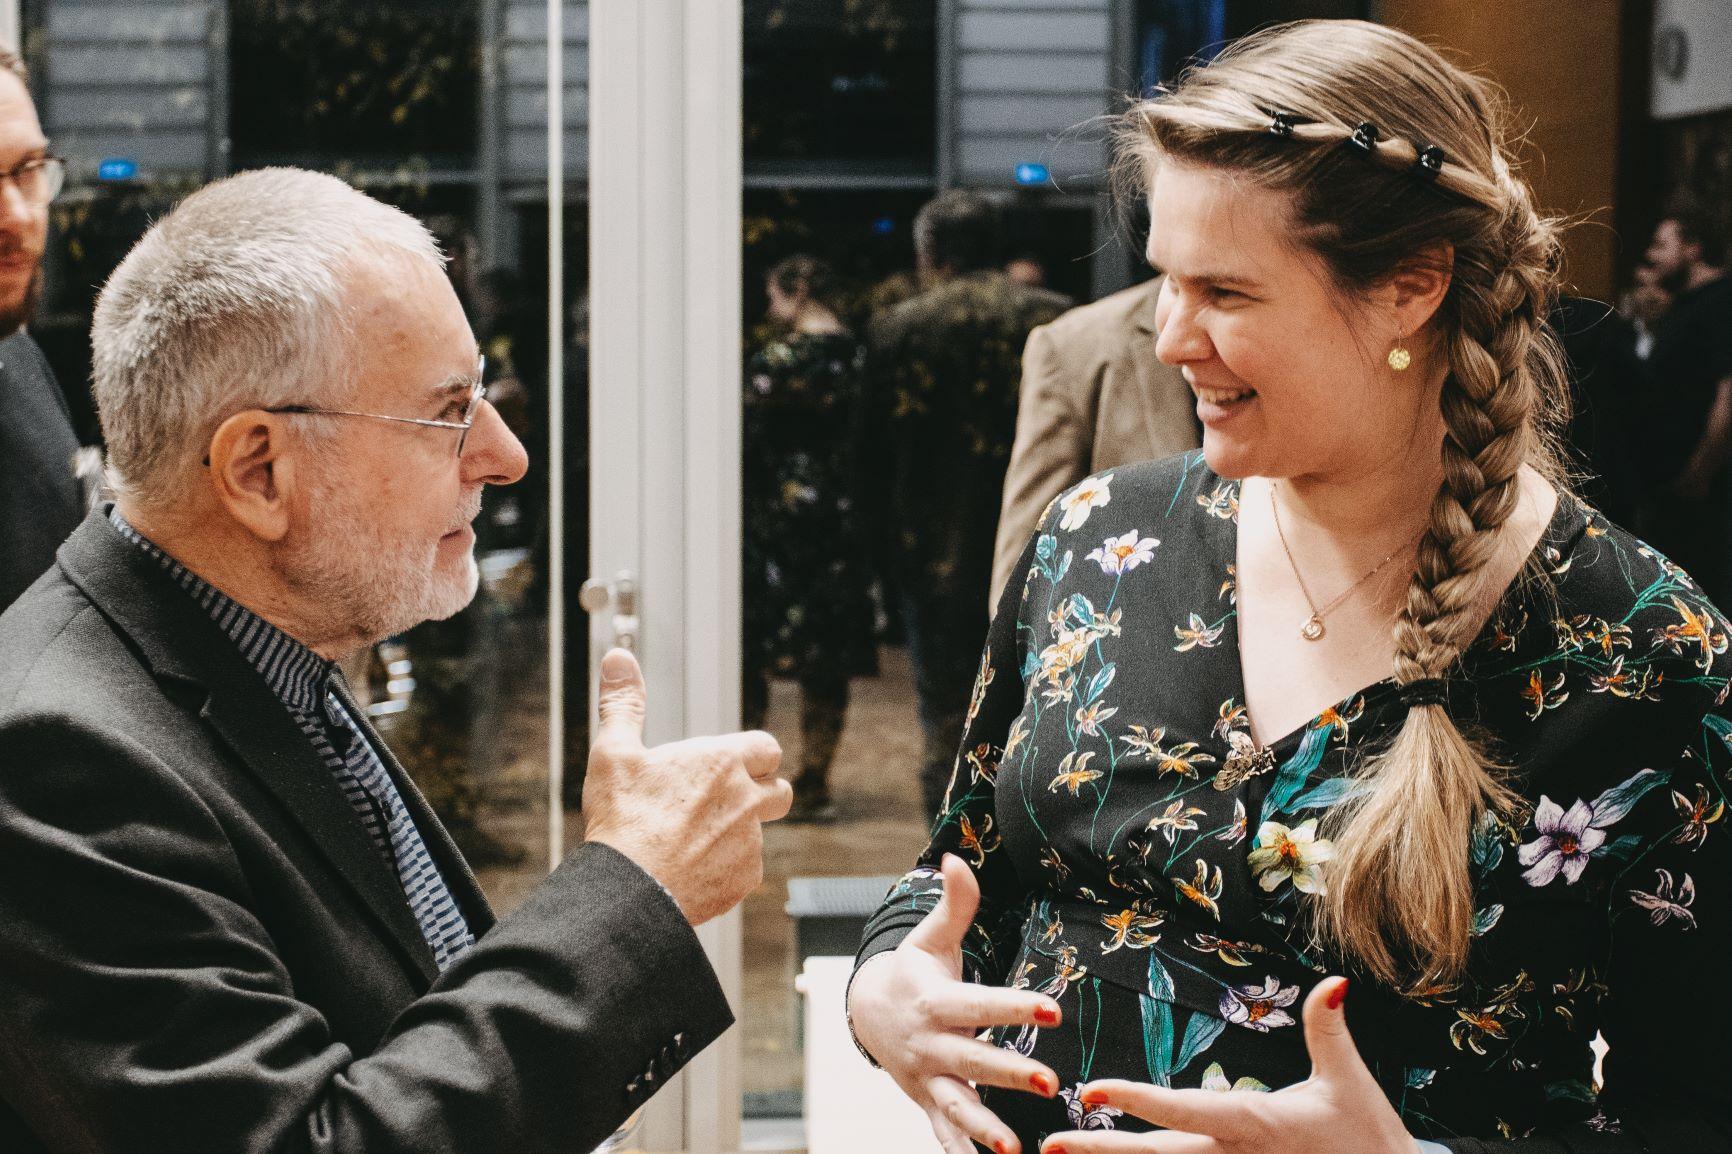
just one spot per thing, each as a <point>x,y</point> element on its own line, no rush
<point>1228,457</point>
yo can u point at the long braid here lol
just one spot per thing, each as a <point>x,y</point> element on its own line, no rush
<point>1415,874</point>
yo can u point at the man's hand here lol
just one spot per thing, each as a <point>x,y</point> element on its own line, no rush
<point>690,813</point>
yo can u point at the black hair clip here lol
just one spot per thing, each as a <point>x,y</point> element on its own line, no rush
<point>1281,123</point>
<point>1425,691</point>
<point>1364,138</point>
<point>1429,162</point>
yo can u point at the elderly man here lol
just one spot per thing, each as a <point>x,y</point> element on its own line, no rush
<point>227,919</point>
<point>39,497</point>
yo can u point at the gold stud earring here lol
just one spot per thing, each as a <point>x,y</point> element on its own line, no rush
<point>1399,358</point>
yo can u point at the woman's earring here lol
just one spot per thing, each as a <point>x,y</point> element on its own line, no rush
<point>1399,358</point>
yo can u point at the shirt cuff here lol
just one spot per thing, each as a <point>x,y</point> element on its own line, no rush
<point>1431,1147</point>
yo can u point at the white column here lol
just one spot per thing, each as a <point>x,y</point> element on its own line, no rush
<point>664,412</point>
<point>9,31</point>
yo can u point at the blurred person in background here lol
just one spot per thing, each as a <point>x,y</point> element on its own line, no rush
<point>808,610</point>
<point>1688,513</point>
<point>1093,396</point>
<point>40,502</point>
<point>945,368</point>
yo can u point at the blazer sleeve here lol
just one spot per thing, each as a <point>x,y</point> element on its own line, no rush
<point>144,1007</point>
<point>1671,912</point>
<point>1053,449</point>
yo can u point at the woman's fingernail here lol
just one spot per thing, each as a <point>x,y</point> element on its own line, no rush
<point>1042,1085</point>
<point>1045,1016</point>
<point>1338,996</point>
<point>1053,1148</point>
<point>1001,1147</point>
<point>1093,1097</point>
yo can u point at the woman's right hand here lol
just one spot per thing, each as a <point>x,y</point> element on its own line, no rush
<point>912,1012</point>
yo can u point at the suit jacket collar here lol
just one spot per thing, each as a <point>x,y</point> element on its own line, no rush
<point>179,641</point>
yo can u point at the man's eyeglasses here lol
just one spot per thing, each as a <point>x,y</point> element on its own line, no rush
<point>39,179</point>
<point>463,423</point>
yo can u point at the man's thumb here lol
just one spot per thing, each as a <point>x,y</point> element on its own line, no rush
<point>945,927</point>
<point>620,702</point>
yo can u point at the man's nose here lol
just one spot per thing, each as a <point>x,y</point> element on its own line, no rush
<point>492,454</point>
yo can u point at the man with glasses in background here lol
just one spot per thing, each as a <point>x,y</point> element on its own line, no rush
<point>228,920</point>
<point>39,492</point>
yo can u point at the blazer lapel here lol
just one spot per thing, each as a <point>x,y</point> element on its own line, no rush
<point>179,641</point>
<point>1148,368</point>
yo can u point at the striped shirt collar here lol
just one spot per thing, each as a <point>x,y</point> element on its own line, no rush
<point>296,675</point>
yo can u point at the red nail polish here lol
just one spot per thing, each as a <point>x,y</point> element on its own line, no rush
<point>1339,996</point>
<point>1045,1016</point>
<point>1001,1147</point>
<point>1053,1148</point>
<point>1094,1097</point>
<point>1042,1085</point>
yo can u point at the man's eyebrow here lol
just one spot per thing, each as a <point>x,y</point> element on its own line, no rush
<point>455,385</point>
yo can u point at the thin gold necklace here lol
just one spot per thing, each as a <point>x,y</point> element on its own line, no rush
<point>1312,630</point>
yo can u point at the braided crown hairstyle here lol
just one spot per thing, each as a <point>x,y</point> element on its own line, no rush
<point>1399,901</point>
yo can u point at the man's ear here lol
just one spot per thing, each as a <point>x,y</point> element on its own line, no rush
<point>1416,289</point>
<point>251,473</point>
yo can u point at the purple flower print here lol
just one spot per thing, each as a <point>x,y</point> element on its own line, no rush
<point>1567,841</point>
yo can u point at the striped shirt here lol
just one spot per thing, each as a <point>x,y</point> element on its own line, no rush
<point>301,680</point>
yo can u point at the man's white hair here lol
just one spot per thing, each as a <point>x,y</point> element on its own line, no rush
<point>234,300</point>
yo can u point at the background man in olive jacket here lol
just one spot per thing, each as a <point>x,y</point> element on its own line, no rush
<point>945,370</point>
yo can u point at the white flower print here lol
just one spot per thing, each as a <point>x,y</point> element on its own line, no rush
<point>1121,554</point>
<point>1083,500</point>
<point>1295,854</point>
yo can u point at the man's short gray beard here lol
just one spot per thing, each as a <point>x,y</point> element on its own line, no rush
<point>362,585</point>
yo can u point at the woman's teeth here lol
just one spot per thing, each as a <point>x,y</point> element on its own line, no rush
<point>1224,396</point>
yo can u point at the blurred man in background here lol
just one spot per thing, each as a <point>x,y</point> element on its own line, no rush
<point>946,364</point>
<point>39,493</point>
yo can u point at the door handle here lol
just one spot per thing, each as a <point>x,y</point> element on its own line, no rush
<point>622,594</point>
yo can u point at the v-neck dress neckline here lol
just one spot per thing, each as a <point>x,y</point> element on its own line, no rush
<point>1567,522</point>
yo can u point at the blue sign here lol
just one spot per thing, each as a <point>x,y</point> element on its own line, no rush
<point>1031,174</point>
<point>117,169</point>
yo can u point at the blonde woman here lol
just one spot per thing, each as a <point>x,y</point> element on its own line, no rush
<point>1360,693</point>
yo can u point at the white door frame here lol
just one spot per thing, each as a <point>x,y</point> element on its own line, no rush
<point>664,181</point>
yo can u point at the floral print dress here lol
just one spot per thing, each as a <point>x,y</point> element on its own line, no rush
<point>1145,863</point>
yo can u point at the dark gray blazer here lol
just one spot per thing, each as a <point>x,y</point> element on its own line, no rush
<point>39,499</point>
<point>201,950</point>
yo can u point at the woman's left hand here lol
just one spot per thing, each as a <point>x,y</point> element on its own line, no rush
<point>1339,1109</point>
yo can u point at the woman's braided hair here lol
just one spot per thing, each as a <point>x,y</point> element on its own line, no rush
<point>1391,153</point>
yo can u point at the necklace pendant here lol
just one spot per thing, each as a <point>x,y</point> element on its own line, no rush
<point>1312,630</point>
